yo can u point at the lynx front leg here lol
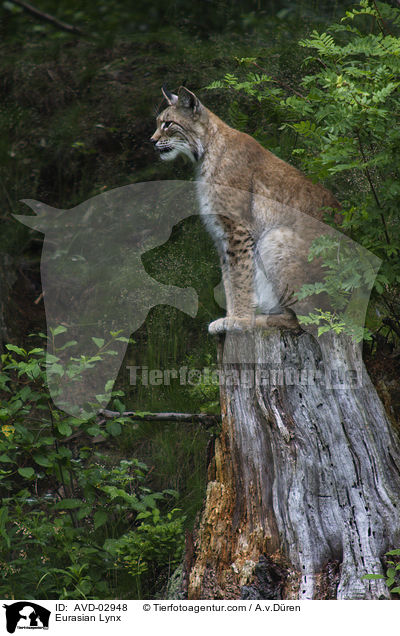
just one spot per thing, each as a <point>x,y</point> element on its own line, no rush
<point>242,283</point>
<point>238,278</point>
<point>227,283</point>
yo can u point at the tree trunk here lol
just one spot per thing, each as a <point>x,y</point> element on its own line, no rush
<point>304,494</point>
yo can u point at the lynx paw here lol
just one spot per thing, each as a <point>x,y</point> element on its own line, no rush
<point>222,325</point>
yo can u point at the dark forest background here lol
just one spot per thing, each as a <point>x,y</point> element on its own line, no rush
<point>101,508</point>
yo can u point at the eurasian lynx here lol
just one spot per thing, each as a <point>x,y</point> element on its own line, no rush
<point>262,213</point>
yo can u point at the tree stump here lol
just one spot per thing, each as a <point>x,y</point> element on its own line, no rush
<point>303,496</point>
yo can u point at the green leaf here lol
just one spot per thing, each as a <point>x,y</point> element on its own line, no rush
<point>42,460</point>
<point>84,511</point>
<point>16,349</point>
<point>94,430</point>
<point>57,330</point>
<point>373,577</point>
<point>114,428</point>
<point>64,452</point>
<point>64,428</point>
<point>50,358</point>
<point>99,342</point>
<point>70,343</point>
<point>55,369</point>
<point>119,405</point>
<point>144,515</point>
<point>68,504</point>
<point>100,518</point>
<point>5,459</point>
<point>24,393</point>
<point>173,493</point>
<point>46,441</point>
<point>27,472</point>
<point>109,385</point>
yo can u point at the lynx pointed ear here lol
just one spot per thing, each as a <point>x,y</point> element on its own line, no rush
<point>170,97</point>
<point>187,99</point>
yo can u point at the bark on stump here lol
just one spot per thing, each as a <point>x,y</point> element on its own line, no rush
<point>303,497</point>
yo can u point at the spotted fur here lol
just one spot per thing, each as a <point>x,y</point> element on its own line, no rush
<point>261,212</point>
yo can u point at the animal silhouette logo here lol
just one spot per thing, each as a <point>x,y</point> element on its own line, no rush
<point>94,280</point>
<point>26,615</point>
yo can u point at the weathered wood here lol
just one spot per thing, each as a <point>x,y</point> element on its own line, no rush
<point>303,498</point>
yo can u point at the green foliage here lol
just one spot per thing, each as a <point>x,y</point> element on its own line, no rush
<point>348,131</point>
<point>347,272</point>
<point>345,116</point>
<point>266,96</point>
<point>74,520</point>
<point>204,387</point>
<point>392,574</point>
<point>141,551</point>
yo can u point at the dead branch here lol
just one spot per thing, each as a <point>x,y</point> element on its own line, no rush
<point>46,17</point>
<point>208,419</point>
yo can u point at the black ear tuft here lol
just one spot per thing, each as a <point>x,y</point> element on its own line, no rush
<point>170,97</point>
<point>166,92</point>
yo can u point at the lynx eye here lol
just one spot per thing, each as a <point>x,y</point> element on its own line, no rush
<point>166,124</point>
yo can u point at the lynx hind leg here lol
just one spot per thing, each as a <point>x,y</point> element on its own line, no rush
<point>281,269</point>
<point>286,300</point>
<point>285,320</point>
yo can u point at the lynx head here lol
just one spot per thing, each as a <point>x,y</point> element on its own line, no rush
<point>181,127</point>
